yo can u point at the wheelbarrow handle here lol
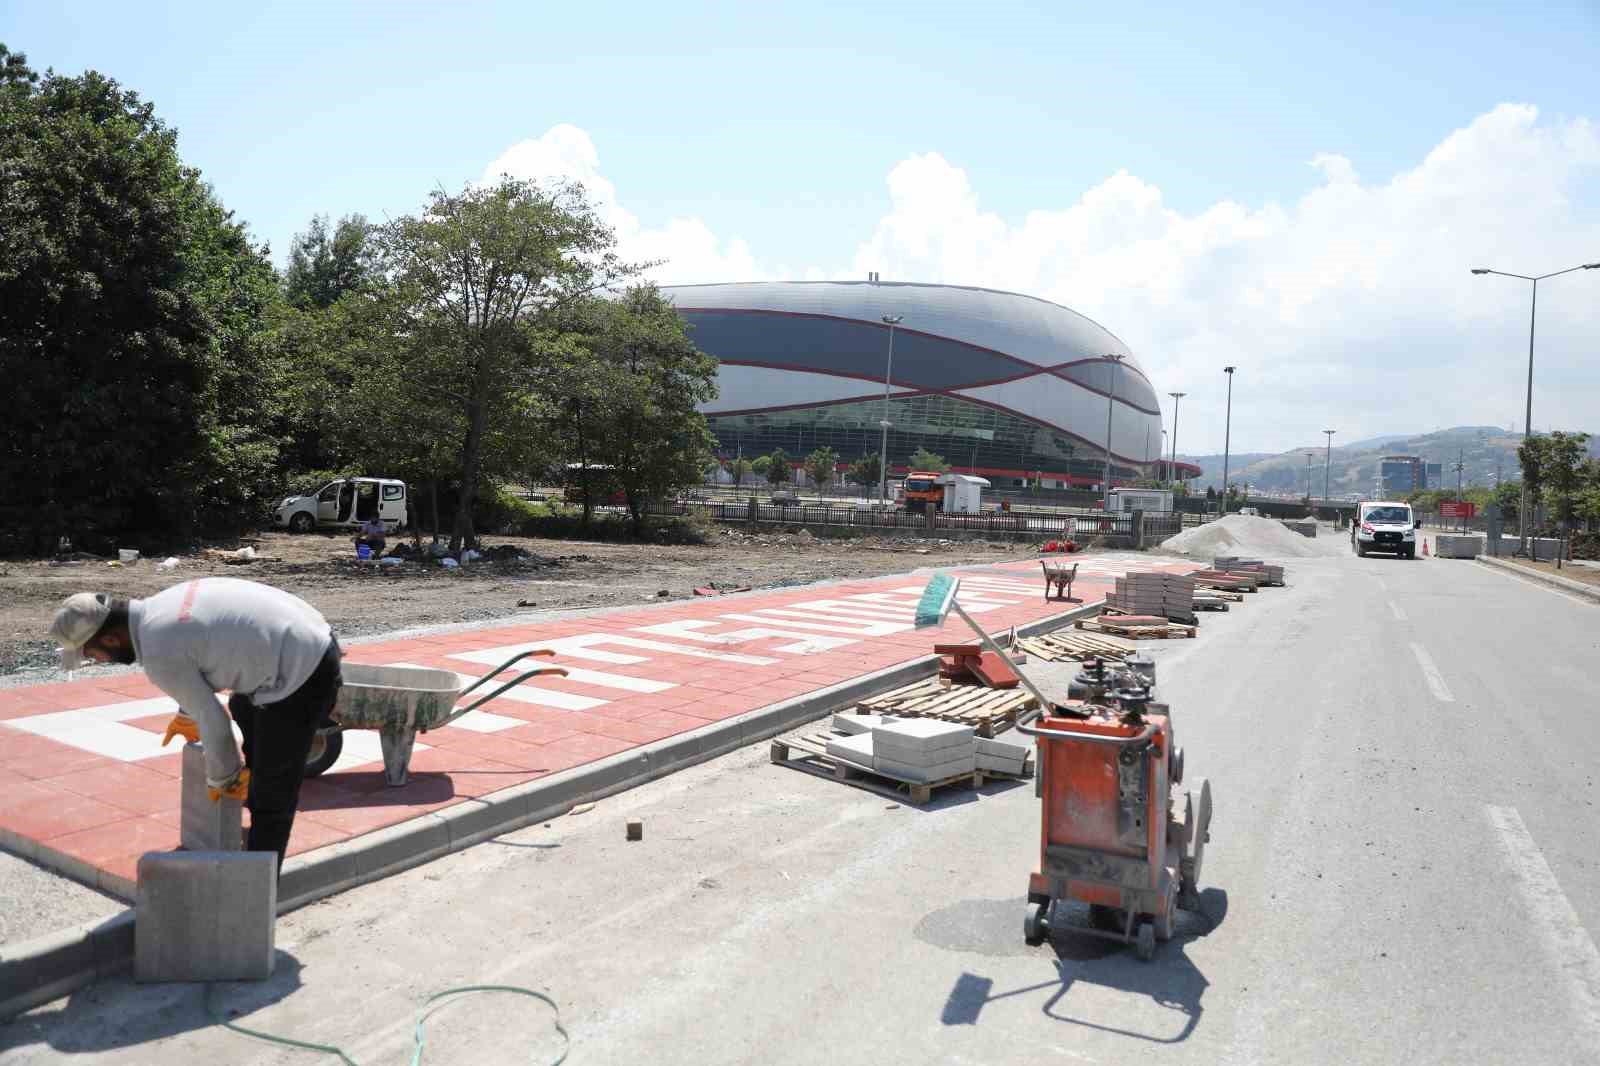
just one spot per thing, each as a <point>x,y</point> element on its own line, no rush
<point>503,667</point>
<point>481,700</point>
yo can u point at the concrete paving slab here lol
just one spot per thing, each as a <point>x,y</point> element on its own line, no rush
<point>206,916</point>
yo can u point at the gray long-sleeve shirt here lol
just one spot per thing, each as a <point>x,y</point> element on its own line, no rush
<point>221,634</point>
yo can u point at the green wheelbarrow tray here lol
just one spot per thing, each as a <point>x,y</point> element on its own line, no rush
<point>402,701</point>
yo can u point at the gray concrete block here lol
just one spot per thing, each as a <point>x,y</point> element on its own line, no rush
<point>917,755</point>
<point>1457,546</point>
<point>206,916</point>
<point>856,749</point>
<point>45,967</point>
<point>613,774</point>
<point>315,874</point>
<point>202,824</point>
<point>999,763</point>
<point>922,774</point>
<point>850,722</point>
<point>480,819</point>
<point>1002,749</point>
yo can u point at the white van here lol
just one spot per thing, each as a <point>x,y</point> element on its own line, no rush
<point>345,504</point>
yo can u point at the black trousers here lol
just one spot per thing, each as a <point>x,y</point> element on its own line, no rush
<point>277,740</point>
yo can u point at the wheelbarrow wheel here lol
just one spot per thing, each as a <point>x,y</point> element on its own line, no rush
<point>1145,944</point>
<point>326,747</point>
<point>1034,929</point>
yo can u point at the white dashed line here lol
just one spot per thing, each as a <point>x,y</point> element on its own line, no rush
<point>1567,943</point>
<point>1399,615</point>
<point>1430,672</point>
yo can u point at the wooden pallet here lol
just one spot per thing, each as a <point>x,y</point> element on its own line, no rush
<point>1231,595</point>
<point>1066,645</point>
<point>987,710</point>
<point>1108,614</point>
<point>1201,583</point>
<point>809,754</point>
<point>1171,630</point>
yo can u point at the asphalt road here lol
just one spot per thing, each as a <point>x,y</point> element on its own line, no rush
<point>1402,869</point>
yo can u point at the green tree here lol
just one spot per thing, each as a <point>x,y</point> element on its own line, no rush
<point>740,468</point>
<point>821,465</point>
<point>326,264</point>
<point>477,297</point>
<point>651,433</point>
<point>761,464</point>
<point>137,336</point>
<point>777,467</point>
<point>1508,494</point>
<point>923,459</point>
<point>865,471</point>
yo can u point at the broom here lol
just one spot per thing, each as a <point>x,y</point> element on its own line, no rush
<point>938,600</point>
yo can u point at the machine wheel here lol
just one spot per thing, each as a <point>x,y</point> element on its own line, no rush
<point>1034,929</point>
<point>1199,833</point>
<point>325,749</point>
<point>1361,553</point>
<point>1175,767</point>
<point>302,522</point>
<point>1145,945</point>
<point>1166,920</point>
<point>1409,553</point>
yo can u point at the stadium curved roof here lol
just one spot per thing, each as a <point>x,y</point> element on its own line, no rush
<point>808,344</point>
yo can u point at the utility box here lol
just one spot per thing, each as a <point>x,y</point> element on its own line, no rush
<point>963,493</point>
<point>1125,499</point>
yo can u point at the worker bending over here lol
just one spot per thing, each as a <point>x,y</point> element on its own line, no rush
<point>273,651</point>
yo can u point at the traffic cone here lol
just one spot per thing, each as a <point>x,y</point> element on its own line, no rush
<point>1424,548</point>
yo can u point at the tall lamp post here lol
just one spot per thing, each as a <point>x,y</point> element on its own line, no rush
<point>1527,431</point>
<point>1227,438</point>
<point>1173,466</point>
<point>1111,398</point>
<point>1168,479</point>
<point>883,447</point>
<point>1309,456</point>
<point>1327,465</point>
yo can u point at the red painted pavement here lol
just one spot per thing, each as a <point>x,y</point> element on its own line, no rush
<point>93,788</point>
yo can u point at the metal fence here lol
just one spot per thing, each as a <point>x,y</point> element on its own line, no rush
<point>1043,524</point>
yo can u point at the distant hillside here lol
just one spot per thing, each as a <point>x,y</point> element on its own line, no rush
<point>1354,467</point>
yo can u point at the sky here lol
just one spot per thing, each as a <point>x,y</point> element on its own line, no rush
<point>1295,191</point>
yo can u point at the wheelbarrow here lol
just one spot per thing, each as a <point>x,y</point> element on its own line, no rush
<point>402,701</point>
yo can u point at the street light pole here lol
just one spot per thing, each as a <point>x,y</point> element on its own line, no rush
<point>1327,465</point>
<point>1309,456</point>
<point>1172,467</point>
<point>1111,398</point>
<point>883,447</point>
<point>1227,438</point>
<point>1527,431</point>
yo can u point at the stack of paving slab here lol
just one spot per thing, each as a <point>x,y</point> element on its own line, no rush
<point>1162,595</point>
<point>911,751</point>
<point>1233,565</point>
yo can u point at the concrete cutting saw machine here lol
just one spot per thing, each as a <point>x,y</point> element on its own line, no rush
<point>1117,831</point>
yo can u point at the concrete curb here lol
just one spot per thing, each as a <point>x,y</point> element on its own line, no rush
<point>42,969</point>
<point>1577,588</point>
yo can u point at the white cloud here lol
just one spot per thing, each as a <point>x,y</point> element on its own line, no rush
<point>686,248</point>
<point>1349,307</point>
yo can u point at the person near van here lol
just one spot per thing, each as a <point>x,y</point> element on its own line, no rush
<point>372,535</point>
<point>271,650</point>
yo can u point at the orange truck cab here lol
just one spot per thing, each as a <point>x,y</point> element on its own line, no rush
<point>922,491</point>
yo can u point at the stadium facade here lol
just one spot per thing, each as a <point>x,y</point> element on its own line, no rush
<point>1006,386</point>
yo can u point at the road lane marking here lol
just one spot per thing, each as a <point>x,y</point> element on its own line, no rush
<point>1430,672</point>
<point>1567,942</point>
<point>1399,615</point>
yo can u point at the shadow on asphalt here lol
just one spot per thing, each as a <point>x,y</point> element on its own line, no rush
<point>120,1013</point>
<point>1170,980</point>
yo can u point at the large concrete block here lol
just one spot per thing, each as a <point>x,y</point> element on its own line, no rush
<point>923,741</point>
<point>922,774</point>
<point>850,722</point>
<point>856,748</point>
<point>205,916</point>
<point>202,824</point>
<point>1457,546</point>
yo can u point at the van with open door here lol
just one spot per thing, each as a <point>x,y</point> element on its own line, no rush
<point>345,504</point>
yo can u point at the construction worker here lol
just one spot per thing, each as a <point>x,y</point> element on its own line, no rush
<point>272,651</point>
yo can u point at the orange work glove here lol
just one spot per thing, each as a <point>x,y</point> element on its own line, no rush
<point>239,790</point>
<point>182,726</point>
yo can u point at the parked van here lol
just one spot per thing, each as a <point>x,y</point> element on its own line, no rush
<point>345,504</point>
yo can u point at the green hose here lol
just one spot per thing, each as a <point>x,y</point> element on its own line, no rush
<point>429,1006</point>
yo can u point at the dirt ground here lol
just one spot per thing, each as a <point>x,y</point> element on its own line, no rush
<point>360,599</point>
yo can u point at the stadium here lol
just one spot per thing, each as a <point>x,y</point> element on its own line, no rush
<point>1008,387</point>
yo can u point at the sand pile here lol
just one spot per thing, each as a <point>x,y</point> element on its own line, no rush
<point>1251,538</point>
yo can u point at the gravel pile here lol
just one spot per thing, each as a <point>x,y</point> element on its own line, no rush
<point>1252,538</point>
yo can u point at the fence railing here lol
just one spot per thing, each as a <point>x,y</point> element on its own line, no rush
<point>1043,524</point>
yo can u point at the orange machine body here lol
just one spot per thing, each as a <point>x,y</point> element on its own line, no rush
<point>1105,813</point>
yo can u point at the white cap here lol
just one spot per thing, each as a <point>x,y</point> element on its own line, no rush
<point>77,620</point>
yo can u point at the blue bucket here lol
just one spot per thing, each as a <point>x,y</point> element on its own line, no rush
<point>363,551</point>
